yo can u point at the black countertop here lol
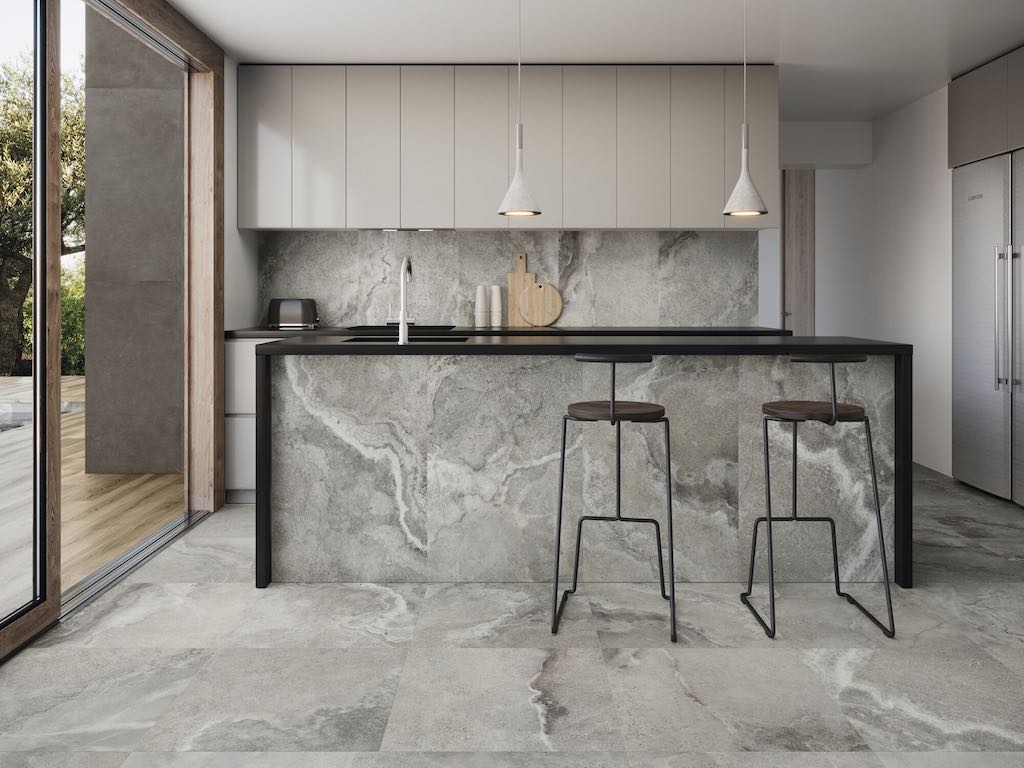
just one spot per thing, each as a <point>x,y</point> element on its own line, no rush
<point>565,344</point>
<point>275,333</point>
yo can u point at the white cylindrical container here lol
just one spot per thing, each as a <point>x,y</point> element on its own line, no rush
<point>496,314</point>
<point>482,312</point>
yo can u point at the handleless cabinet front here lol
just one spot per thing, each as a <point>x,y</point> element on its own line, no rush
<point>428,147</point>
<point>373,128</point>
<point>1015,99</point>
<point>698,146</point>
<point>588,147</point>
<point>318,147</point>
<point>264,147</point>
<point>481,146</point>
<point>542,142</point>
<point>642,138</point>
<point>978,113</point>
<point>763,122</point>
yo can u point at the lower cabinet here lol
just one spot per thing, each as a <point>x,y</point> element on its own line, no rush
<point>240,419</point>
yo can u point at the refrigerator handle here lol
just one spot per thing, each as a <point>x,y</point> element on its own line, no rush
<point>997,302</point>
<point>1013,341</point>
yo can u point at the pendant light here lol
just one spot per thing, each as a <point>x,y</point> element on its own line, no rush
<point>744,200</point>
<point>518,201</point>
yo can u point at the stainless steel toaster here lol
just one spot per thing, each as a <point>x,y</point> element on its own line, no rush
<point>292,313</point>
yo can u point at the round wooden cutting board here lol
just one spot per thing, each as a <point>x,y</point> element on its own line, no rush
<point>540,304</point>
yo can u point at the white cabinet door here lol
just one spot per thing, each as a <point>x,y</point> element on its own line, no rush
<point>763,119</point>
<point>698,146</point>
<point>239,453</point>
<point>643,109</point>
<point>481,146</point>
<point>373,144</point>
<point>588,162</point>
<point>240,375</point>
<point>265,147</point>
<point>318,147</point>
<point>428,147</point>
<point>542,140</point>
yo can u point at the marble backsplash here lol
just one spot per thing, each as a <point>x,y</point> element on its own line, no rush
<point>628,278</point>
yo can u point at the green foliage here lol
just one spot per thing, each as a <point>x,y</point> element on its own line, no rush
<point>16,103</point>
<point>72,319</point>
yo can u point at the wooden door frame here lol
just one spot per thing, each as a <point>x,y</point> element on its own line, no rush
<point>204,283</point>
<point>797,251</point>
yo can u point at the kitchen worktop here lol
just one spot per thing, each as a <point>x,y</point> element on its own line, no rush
<point>278,333</point>
<point>564,344</point>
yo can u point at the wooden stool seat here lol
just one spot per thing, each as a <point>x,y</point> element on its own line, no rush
<point>625,410</point>
<point>812,410</point>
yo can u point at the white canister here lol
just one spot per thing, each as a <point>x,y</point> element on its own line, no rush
<point>482,312</point>
<point>496,314</point>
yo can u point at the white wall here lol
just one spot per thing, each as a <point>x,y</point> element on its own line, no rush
<point>883,259</point>
<point>769,278</point>
<point>241,263</point>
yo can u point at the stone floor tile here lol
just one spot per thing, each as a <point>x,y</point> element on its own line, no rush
<point>62,759</point>
<point>952,759</point>
<point>990,613</point>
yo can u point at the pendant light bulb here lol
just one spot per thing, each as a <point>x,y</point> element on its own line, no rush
<point>744,200</point>
<point>518,201</point>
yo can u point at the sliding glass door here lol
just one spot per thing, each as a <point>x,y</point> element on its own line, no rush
<point>29,548</point>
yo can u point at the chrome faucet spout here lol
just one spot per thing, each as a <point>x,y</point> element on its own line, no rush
<point>404,276</point>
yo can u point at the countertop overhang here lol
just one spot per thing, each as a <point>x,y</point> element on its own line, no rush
<point>613,330</point>
<point>565,344</point>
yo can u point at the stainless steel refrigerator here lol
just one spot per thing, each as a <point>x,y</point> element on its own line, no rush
<point>988,317</point>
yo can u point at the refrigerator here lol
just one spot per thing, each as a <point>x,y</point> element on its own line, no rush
<point>988,319</point>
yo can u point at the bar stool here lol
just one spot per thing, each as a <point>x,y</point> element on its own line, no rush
<point>615,412</point>
<point>829,413</point>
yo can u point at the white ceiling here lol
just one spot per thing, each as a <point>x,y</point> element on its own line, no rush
<point>839,59</point>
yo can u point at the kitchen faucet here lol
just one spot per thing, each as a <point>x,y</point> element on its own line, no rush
<point>404,276</point>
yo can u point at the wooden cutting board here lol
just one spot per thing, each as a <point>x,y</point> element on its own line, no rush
<point>540,304</point>
<point>518,281</point>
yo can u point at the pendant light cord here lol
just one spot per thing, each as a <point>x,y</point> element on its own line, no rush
<point>519,61</point>
<point>744,61</point>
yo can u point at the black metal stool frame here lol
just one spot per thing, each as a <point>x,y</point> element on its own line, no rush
<point>557,607</point>
<point>769,627</point>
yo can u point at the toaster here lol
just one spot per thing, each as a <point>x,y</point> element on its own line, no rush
<point>292,313</point>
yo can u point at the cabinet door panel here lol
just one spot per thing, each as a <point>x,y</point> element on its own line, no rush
<point>588,162</point>
<point>542,139</point>
<point>265,147</point>
<point>481,146</point>
<point>372,156</point>
<point>698,146</point>
<point>643,108</point>
<point>1015,100</point>
<point>318,147</point>
<point>239,453</point>
<point>763,119</point>
<point>978,113</point>
<point>428,147</point>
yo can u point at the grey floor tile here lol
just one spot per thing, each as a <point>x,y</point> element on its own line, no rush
<point>758,760</point>
<point>240,760</point>
<point>955,559</point>
<point>70,699</point>
<point>500,615</point>
<point>490,760</point>
<point>329,616</point>
<point>283,700</point>
<point>503,699</point>
<point>141,615</point>
<point>952,759</point>
<point>724,699</point>
<point>990,613</point>
<point>62,759</point>
<point>949,700</point>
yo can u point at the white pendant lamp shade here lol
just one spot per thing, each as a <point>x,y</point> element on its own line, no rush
<point>744,200</point>
<point>518,201</point>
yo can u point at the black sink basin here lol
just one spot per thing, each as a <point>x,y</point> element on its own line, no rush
<point>413,328</point>
<point>412,339</point>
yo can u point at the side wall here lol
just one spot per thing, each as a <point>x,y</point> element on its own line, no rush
<point>884,244</point>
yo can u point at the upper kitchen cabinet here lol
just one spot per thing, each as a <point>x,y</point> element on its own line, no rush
<point>1015,99</point>
<point>542,144</point>
<point>481,146</point>
<point>978,113</point>
<point>265,147</point>
<point>763,120</point>
<point>588,147</point>
<point>428,147</point>
<point>698,146</point>
<point>318,147</point>
<point>373,147</point>
<point>643,114</point>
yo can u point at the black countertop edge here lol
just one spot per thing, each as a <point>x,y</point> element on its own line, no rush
<point>570,345</point>
<point>274,333</point>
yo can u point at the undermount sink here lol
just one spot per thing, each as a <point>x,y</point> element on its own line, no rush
<point>412,339</point>
<point>413,328</point>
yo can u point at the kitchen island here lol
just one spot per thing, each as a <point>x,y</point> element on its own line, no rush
<point>438,460</point>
